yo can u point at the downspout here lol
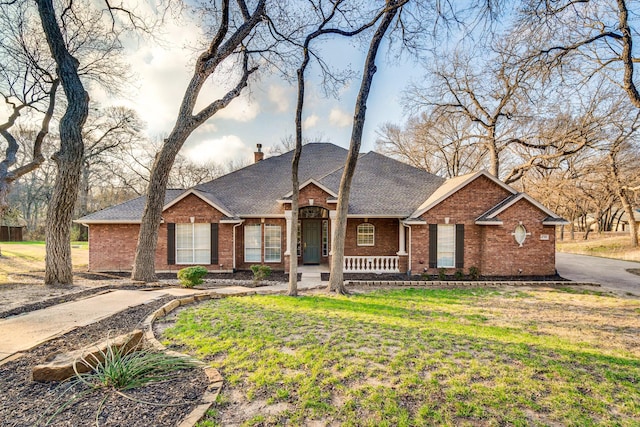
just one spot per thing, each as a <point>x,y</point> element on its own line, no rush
<point>234,244</point>
<point>408,250</point>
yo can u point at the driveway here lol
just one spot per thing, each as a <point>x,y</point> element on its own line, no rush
<point>609,273</point>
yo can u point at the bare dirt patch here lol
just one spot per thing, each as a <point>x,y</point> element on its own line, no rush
<point>23,402</point>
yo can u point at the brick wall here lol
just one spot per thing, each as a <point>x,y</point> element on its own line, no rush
<point>386,237</point>
<point>492,249</point>
<point>503,256</point>
<point>316,193</point>
<point>112,246</point>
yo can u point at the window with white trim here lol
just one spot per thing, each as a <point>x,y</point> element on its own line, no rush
<point>272,243</point>
<point>252,242</point>
<point>446,246</point>
<point>366,234</point>
<point>193,243</point>
<point>325,238</point>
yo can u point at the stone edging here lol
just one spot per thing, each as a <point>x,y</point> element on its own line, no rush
<point>215,379</point>
<point>462,283</point>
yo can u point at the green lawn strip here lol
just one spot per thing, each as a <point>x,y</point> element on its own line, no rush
<point>386,359</point>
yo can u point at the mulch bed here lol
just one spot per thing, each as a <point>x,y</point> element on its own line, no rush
<point>23,402</point>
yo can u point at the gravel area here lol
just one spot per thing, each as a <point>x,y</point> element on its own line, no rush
<point>24,402</point>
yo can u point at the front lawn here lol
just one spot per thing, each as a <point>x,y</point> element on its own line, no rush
<point>420,357</point>
<point>28,257</point>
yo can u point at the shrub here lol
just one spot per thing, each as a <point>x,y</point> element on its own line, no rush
<point>474,273</point>
<point>442,274</point>
<point>260,272</point>
<point>459,275</point>
<point>425,276</point>
<point>191,276</point>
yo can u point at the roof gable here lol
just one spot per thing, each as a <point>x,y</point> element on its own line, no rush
<point>205,197</point>
<point>317,184</point>
<point>453,185</point>
<point>491,216</point>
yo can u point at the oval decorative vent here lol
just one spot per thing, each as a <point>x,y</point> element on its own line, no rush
<point>520,234</point>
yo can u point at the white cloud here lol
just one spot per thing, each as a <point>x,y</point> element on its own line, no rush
<point>310,121</point>
<point>280,97</point>
<point>241,109</point>
<point>221,150</point>
<point>340,118</point>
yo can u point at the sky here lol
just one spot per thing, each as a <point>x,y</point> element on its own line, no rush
<point>264,113</point>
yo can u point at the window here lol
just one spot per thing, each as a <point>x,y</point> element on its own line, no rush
<point>520,234</point>
<point>193,243</point>
<point>325,238</point>
<point>366,234</point>
<point>446,246</point>
<point>252,242</point>
<point>272,243</point>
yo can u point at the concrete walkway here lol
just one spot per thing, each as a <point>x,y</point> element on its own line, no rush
<point>21,333</point>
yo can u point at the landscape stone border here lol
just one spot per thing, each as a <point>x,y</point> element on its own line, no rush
<point>215,378</point>
<point>464,283</point>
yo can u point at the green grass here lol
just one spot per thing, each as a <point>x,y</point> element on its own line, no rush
<point>617,247</point>
<point>28,257</point>
<point>420,357</point>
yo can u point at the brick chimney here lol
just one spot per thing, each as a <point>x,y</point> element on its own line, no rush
<point>258,154</point>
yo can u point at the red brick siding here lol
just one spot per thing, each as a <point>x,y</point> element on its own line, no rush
<point>491,249</point>
<point>503,256</point>
<point>112,246</point>
<point>385,239</point>
<point>316,193</point>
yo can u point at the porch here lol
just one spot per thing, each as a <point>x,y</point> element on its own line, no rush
<point>372,245</point>
<point>356,264</point>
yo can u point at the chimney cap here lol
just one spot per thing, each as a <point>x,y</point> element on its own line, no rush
<point>259,147</point>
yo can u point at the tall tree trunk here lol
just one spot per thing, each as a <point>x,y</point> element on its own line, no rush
<point>622,195</point>
<point>493,153</point>
<point>68,159</point>
<point>336,280</point>
<point>144,265</point>
<point>222,46</point>
<point>295,182</point>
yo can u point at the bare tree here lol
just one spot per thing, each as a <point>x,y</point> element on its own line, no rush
<point>441,144</point>
<point>27,85</point>
<point>336,279</point>
<point>69,158</point>
<point>106,130</point>
<point>623,153</point>
<point>489,92</point>
<point>588,35</point>
<point>337,10</point>
<point>229,42</point>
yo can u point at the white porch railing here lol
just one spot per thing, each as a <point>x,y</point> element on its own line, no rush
<point>371,264</point>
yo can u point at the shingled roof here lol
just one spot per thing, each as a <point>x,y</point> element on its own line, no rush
<point>381,186</point>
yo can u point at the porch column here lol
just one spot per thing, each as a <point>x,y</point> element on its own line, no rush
<point>287,216</point>
<point>402,239</point>
<point>332,217</point>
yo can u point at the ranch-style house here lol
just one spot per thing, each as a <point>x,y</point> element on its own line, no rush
<point>401,220</point>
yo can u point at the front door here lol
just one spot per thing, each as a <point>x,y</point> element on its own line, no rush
<point>311,241</point>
